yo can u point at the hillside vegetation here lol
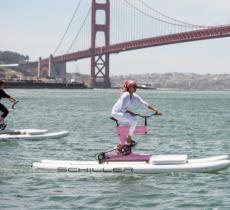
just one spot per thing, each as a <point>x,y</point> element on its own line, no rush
<point>8,57</point>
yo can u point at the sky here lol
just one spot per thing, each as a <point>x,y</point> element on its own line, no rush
<point>34,28</point>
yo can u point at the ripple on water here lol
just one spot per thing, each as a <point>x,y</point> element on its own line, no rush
<point>194,123</point>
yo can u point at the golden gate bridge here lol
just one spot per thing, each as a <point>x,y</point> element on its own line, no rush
<point>115,26</point>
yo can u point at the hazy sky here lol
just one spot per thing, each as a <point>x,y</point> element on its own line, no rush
<point>34,28</point>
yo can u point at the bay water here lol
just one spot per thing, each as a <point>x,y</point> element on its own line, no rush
<point>196,123</point>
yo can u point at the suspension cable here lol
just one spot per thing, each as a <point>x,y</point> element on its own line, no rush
<point>70,22</point>
<point>173,19</point>
<point>155,18</point>
<point>71,45</point>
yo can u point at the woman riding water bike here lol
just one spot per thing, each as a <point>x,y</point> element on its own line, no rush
<point>3,110</point>
<point>121,113</point>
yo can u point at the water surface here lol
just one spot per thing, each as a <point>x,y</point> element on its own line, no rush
<point>193,123</point>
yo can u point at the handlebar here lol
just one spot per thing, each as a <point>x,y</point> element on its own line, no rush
<point>145,117</point>
<point>142,116</point>
<point>13,105</point>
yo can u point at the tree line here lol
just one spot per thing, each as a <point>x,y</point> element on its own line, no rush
<point>8,57</point>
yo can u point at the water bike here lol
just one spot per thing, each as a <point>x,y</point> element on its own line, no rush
<point>126,161</point>
<point>28,134</point>
<point>122,133</point>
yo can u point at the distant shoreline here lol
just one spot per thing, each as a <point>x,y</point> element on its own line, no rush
<point>42,85</point>
<point>178,81</point>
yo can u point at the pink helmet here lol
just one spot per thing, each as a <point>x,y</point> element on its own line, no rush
<point>128,83</point>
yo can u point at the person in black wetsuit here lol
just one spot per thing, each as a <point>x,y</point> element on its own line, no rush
<point>3,110</point>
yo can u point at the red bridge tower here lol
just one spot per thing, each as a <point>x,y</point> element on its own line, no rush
<point>100,62</point>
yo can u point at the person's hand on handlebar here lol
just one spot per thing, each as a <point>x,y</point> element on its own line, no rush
<point>157,113</point>
<point>154,110</point>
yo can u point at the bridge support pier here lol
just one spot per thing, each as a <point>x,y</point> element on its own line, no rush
<point>57,70</point>
<point>100,60</point>
<point>43,69</point>
<point>52,70</point>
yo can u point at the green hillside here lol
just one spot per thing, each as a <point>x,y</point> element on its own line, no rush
<point>8,57</point>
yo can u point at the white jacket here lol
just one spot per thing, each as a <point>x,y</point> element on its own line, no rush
<point>124,102</point>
